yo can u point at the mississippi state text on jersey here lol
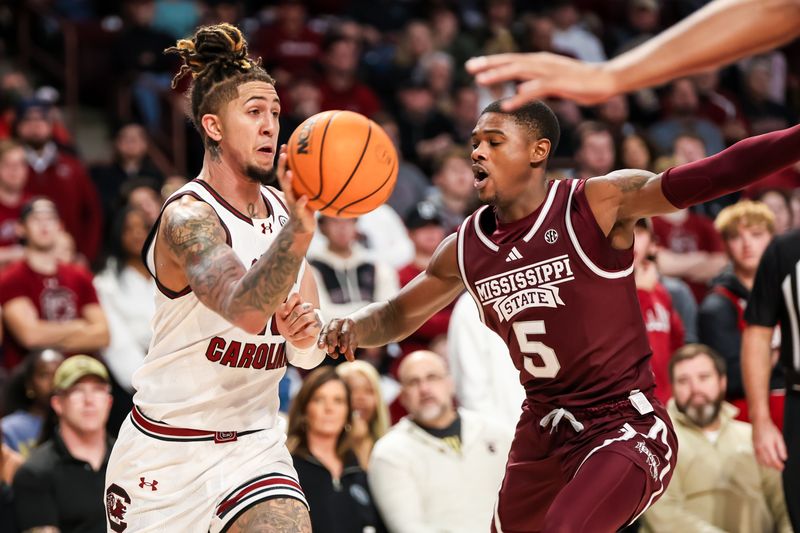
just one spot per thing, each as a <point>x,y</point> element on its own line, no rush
<point>561,297</point>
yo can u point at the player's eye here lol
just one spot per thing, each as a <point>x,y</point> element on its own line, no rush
<point>254,111</point>
<point>474,146</point>
<point>494,143</point>
<point>276,113</point>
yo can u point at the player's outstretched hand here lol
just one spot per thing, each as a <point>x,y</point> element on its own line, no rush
<point>769,445</point>
<point>298,207</point>
<point>543,75</point>
<point>298,322</point>
<point>339,337</point>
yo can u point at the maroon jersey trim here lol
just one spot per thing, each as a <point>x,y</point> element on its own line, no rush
<point>461,265</point>
<point>608,274</point>
<point>551,195</point>
<point>546,209</point>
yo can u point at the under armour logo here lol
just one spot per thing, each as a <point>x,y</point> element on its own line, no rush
<point>550,236</point>
<point>152,485</point>
<point>265,227</point>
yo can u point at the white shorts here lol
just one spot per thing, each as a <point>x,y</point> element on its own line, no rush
<point>162,478</point>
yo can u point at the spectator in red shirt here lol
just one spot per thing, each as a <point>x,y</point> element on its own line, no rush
<point>664,327</point>
<point>288,46</point>
<point>60,177</point>
<point>340,86</point>
<point>426,232</point>
<point>691,248</point>
<point>13,177</point>
<point>47,304</point>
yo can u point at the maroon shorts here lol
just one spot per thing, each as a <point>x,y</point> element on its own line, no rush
<point>542,464</point>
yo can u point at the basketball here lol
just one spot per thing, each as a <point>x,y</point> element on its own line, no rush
<point>345,163</point>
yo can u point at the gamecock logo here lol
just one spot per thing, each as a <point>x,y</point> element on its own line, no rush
<point>117,501</point>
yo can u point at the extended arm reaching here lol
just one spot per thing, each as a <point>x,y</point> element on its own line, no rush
<point>717,34</point>
<point>621,197</point>
<point>384,322</point>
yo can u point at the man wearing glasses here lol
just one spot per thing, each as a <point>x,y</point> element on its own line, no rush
<point>60,488</point>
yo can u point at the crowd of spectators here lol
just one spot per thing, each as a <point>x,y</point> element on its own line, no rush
<point>412,437</point>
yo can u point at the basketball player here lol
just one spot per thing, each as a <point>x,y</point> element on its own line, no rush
<point>549,264</point>
<point>201,450</point>
<point>717,34</point>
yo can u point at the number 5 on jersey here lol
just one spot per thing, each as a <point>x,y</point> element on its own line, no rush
<point>549,366</point>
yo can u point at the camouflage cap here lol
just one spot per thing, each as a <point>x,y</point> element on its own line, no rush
<point>76,367</point>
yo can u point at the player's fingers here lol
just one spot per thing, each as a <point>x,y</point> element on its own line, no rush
<point>502,74</point>
<point>286,187</point>
<point>330,336</point>
<point>474,65</point>
<point>345,336</point>
<point>302,322</point>
<point>282,158</point>
<point>768,455</point>
<point>298,310</point>
<point>526,92</point>
<point>780,447</point>
<point>310,332</point>
<point>350,355</point>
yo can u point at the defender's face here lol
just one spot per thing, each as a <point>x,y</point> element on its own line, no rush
<point>501,157</point>
<point>250,128</point>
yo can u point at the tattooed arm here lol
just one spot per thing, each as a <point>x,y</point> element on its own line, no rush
<point>278,515</point>
<point>195,241</point>
<point>384,322</point>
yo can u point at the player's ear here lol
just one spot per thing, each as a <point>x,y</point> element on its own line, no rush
<point>212,125</point>
<point>540,149</point>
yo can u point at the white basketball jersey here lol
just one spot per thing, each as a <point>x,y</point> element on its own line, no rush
<point>202,372</point>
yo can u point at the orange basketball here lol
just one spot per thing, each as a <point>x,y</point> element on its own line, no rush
<point>344,162</point>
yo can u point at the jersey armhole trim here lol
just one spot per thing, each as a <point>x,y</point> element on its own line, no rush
<point>608,274</point>
<point>150,248</point>
<point>461,264</point>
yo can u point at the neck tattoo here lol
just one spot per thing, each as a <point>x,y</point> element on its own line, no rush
<point>251,210</point>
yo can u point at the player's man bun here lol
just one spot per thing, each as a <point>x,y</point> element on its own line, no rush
<point>218,50</point>
<point>216,57</point>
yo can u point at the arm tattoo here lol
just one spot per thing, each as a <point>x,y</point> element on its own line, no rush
<point>378,324</point>
<point>630,180</point>
<point>267,283</point>
<point>279,515</point>
<point>215,273</point>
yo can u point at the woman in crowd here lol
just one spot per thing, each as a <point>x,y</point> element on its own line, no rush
<point>125,290</point>
<point>370,413</point>
<point>28,400</point>
<point>334,483</point>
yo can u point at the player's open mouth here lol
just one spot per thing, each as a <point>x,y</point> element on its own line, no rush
<point>480,174</point>
<point>266,150</point>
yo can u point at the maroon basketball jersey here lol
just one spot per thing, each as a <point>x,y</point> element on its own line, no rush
<point>561,297</point>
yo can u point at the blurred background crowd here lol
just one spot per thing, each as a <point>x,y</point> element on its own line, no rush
<point>93,139</point>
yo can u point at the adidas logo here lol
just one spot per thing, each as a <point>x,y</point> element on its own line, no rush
<point>513,255</point>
